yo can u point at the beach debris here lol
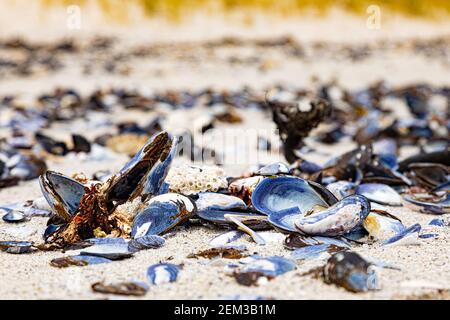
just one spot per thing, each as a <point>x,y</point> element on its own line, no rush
<point>108,251</point>
<point>350,271</point>
<point>225,238</point>
<point>14,216</point>
<point>132,288</point>
<point>162,273</point>
<point>146,242</point>
<point>257,268</point>
<point>381,225</point>
<point>409,236</point>
<point>380,193</point>
<point>16,247</point>
<point>226,252</point>
<point>78,260</point>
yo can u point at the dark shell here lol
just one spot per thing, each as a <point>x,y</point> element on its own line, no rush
<point>132,175</point>
<point>133,288</point>
<point>78,260</point>
<point>350,271</point>
<point>409,233</point>
<point>437,203</point>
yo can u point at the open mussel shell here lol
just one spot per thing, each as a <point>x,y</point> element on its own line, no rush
<point>408,236</point>
<point>382,225</point>
<point>436,203</point>
<point>350,271</point>
<point>281,193</point>
<point>108,251</point>
<point>62,193</point>
<point>380,193</point>
<point>162,273</point>
<point>131,176</point>
<point>338,219</point>
<point>161,214</point>
<point>153,182</point>
<point>16,247</point>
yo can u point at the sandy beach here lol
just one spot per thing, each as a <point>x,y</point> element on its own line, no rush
<point>423,270</point>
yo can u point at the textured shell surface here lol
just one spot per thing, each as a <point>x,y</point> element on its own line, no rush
<point>338,219</point>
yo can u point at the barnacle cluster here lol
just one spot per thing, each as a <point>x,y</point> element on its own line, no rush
<point>188,179</point>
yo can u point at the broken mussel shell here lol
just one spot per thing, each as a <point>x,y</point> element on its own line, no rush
<point>350,271</point>
<point>408,236</point>
<point>132,288</point>
<point>381,225</point>
<point>226,252</point>
<point>78,260</point>
<point>433,203</point>
<point>256,267</point>
<point>16,247</point>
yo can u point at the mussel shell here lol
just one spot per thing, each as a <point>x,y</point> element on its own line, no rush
<point>146,242</point>
<point>218,217</point>
<point>268,266</point>
<point>125,182</point>
<point>14,216</point>
<point>312,252</point>
<point>225,238</point>
<point>284,220</point>
<point>382,225</point>
<point>341,189</point>
<point>62,193</point>
<point>16,247</point>
<point>162,273</point>
<point>295,241</point>
<point>161,214</point>
<point>277,194</point>
<point>273,169</point>
<point>380,193</point>
<point>153,181</point>
<point>338,219</point>
<point>108,251</point>
<point>350,271</point>
<point>435,205</point>
<point>405,237</point>
<point>218,201</point>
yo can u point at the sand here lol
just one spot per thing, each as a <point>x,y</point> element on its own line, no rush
<point>423,268</point>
